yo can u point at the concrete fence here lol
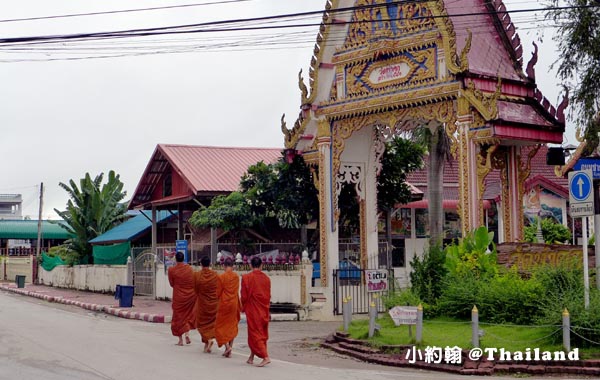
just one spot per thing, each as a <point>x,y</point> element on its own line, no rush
<point>12,266</point>
<point>95,278</point>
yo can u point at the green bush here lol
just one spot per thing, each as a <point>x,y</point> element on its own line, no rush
<point>69,256</point>
<point>461,293</point>
<point>551,231</point>
<point>428,273</point>
<point>472,254</point>
<point>508,298</point>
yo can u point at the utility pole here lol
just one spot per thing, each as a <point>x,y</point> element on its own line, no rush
<point>39,235</point>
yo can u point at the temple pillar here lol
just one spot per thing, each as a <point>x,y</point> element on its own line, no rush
<point>328,232</point>
<point>368,218</point>
<point>469,205</point>
<point>514,222</point>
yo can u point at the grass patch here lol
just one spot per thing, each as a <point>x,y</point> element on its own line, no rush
<point>442,332</point>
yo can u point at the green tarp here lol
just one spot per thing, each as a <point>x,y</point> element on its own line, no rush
<point>115,254</point>
<point>51,262</point>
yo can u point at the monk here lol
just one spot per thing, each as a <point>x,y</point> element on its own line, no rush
<point>181,278</point>
<point>228,315</point>
<point>207,302</point>
<point>256,299</point>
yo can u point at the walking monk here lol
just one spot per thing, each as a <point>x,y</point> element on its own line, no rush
<point>207,302</point>
<point>256,299</point>
<point>228,316</point>
<point>181,278</point>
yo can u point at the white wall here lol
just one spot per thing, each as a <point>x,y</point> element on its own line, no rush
<point>19,266</point>
<point>286,286</point>
<point>96,278</point>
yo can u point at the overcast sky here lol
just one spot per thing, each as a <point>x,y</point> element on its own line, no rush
<point>63,118</point>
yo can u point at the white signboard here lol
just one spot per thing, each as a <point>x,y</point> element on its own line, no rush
<point>581,193</point>
<point>377,280</point>
<point>404,315</point>
<point>389,73</point>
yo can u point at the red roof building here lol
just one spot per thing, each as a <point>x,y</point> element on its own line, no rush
<point>186,175</point>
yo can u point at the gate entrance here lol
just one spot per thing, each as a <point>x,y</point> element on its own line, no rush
<point>351,282</point>
<point>144,272</point>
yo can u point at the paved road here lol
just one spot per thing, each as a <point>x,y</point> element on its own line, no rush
<point>39,340</point>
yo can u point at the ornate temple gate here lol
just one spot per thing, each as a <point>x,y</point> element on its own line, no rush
<point>406,65</point>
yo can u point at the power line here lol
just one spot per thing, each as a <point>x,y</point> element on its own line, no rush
<point>121,11</point>
<point>187,29</point>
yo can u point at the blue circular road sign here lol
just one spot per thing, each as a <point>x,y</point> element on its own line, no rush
<point>580,186</point>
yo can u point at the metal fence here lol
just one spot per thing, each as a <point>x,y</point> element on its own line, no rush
<point>143,270</point>
<point>351,283</point>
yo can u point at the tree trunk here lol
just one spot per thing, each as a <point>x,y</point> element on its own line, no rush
<point>435,187</point>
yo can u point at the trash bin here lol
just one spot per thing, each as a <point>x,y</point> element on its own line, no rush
<point>20,281</point>
<point>124,293</point>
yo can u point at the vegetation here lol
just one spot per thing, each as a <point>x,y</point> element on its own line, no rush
<point>578,33</point>
<point>465,274</point>
<point>227,212</point>
<point>66,254</point>
<point>552,232</point>
<point>93,208</point>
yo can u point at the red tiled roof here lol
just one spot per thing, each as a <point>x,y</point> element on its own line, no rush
<point>489,54</point>
<point>521,113</point>
<point>215,169</point>
<point>207,170</point>
<point>539,170</point>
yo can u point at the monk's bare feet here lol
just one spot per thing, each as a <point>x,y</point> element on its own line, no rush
<point>209,348</point>
<point>264,362</point>
<point>180,343</point>
<point>250,360</point>
<point>188,340</point>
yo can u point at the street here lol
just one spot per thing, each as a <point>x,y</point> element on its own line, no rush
<point>39,340</point>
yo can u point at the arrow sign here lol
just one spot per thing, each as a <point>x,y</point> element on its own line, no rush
<point>581,193</point>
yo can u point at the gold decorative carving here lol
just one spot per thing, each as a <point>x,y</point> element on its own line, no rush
<point>484,167</point>
<point>318,50</point>
<point>418,68</point>
<point>371,23</point>
<point>377,102</point>
<point>292,136</point>
<point>323,219</point>
<point>486,104</point>
<point>464,60</point>
<point>524,171</point>
<point>503,166</point>
<point>446,29</point>
<point>303,90</point>
<point>442,112</point>
<point>323,128</point>
<point>463,178</point>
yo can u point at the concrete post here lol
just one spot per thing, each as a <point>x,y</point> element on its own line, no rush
<point>129,280</point>
<point>419,337</point>
<point>566,326</point>
<point>372,319</point>
<point>345,313</point>
<point>475,327</point>
<point>350,310</point>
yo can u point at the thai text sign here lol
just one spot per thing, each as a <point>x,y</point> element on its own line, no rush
<point>389,73</point>
<point>404,315</point>
<point>377,280</point>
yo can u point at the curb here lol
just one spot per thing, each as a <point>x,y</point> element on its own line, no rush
<point>115,311</point>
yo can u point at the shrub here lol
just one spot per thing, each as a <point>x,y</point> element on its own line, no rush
<point>472,254</point>
<point>427,274</point>
<point>69,256</point>
<point>461,293</point>
<point>551,231</point>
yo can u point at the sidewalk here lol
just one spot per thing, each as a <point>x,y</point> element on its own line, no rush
<point>145,308</point>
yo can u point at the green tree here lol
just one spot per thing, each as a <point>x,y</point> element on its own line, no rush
<point>578,36</point>
<point>438,154</point>
<point>231,212</point>
<point>93,209</point>
<point>401,157</point>
<point>281,190</point>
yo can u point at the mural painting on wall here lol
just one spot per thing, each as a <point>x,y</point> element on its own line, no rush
<point>539,201</point>
<point>401,223</point>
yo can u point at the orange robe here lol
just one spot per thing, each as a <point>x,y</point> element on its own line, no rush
<point>228,316</point>
<point>207,302</point>
<point>256,299</point>
<point>181,278</point>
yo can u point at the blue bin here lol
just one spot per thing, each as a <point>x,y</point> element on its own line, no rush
<point>20,281</point>
<point>124,293</point>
